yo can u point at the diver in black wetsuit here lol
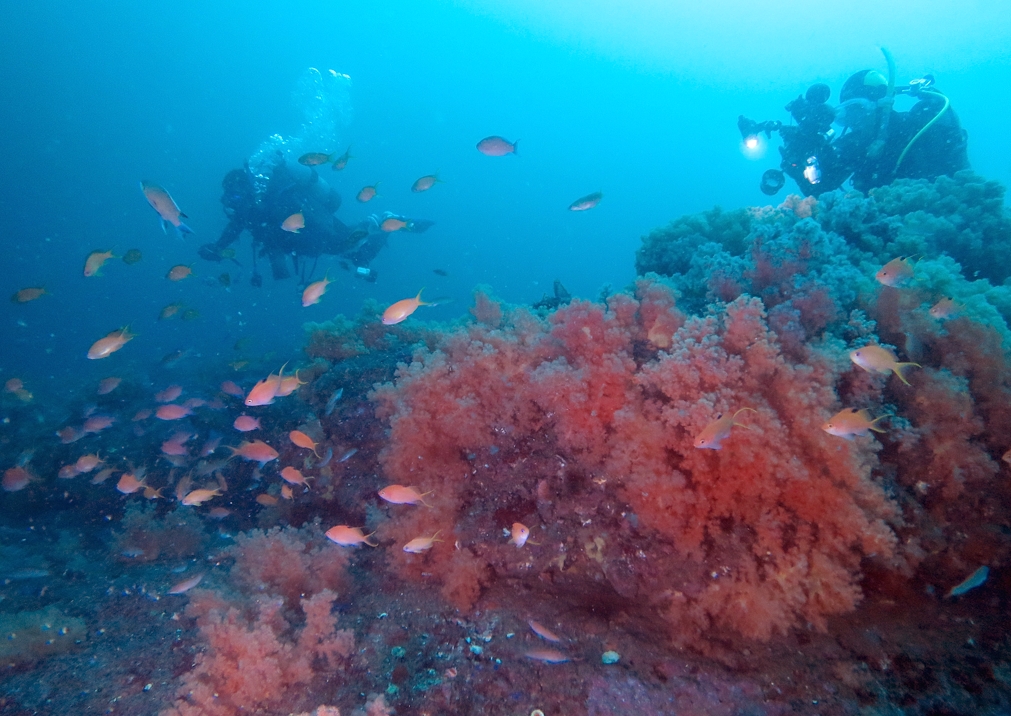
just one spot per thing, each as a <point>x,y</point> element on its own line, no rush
<point>287,194</point>
<point>876,144</point>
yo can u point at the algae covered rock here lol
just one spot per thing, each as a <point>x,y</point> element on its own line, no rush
<point>30,636</point>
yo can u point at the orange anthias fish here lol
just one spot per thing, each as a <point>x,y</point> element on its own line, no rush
<point>28,294</point>
<point>129,484</point>
<point>496,146</point>
<point>548,656</point>
<point>289,384</point>
<point>426,182</point>
<point>187,584</point>
<point>16,478</point>
<point>875,359</point>
<point>543,632</point>
<point>586,202</point>
<point>264,391</point>
<point>946,308</point>
<point>172,411</point>
<point>349,536</point>
<point>368,193</point>
<point>400,495</point>
<point>421,544</point>
<point>519,534</point>
<point>294,477</point>
<point>107,385</point>
<point>303,441</point>
<point>169,394</point>
<point>198,497</point>
<point>294,223</point>
<point>87,463</point>
<point>315,159</point>
<point>105,347</point>
<point>315,290</point>
<point>713,435</point>
<point>342,160</point>
<point>178,273</point>
<point>392,224</point>
<point>96,259</point>
<point>400,310</point>
<point>850,422</point>
<point>232,388</point>
<point>896,272</point>
<point>167,209</point>
<point>246,423</point>
<point>256,451</point>
<point>169,311</point>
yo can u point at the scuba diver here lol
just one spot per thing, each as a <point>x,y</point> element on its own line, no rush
<point>267,215</point>
<point>875,145</point>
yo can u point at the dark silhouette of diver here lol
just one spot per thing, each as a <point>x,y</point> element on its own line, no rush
<point>286,194</point>
<point>875,145</point>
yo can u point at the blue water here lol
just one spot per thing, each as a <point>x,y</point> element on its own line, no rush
<point>639,102</point>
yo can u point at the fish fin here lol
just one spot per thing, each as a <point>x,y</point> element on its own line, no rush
<point>183,229</point>
<point>515,144</point>
<point>900,367</point>
<point>183,215</point>
<point>164,226</point>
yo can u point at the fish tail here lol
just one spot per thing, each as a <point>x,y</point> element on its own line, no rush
<point>183,228</point>
<point>742,425</point>
<point>880,417</point>
<point>900,367</point>
<point>515,145</point>
<point>370,544</point>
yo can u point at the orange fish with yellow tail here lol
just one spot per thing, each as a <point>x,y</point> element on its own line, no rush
<point>105,347</point>
<point>96,259</point>
<point>422,544</point>
<point>850,422</point>
<point>713,435</point>
<point>349,536</point>
<point>876,359</point>
<point>315,290</point>
<point>400,310</point>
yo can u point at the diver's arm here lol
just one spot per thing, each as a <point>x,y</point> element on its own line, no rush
<point>229,235</point>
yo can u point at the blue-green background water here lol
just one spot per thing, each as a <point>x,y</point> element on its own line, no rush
<point>637,99</point>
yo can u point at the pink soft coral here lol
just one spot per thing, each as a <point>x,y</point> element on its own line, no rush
<point>249,662</point>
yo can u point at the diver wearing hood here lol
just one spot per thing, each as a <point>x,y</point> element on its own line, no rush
<point>263,214</point>
<point>875,145</point>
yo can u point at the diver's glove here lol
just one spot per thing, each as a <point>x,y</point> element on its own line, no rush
<point>210,252</point>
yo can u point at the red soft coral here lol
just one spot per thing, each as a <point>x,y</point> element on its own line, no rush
<point>767,533</point>
<point>288,562</point>
<point>250,663</point>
